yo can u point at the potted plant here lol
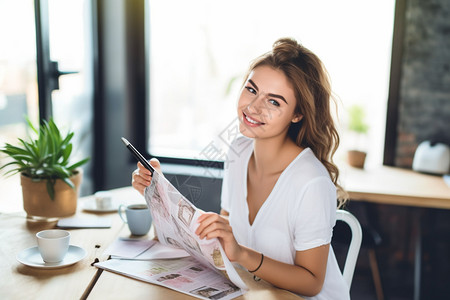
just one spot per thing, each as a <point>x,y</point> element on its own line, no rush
<point>357,125</point>
<point>50,183</point>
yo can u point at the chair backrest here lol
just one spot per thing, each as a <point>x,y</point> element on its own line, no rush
<point>355,244</point>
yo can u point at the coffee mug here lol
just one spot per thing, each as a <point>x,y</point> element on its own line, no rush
<point>138,218</point>
<point>53,244</point>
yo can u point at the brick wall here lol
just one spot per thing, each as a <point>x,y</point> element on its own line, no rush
<point>424,111</point>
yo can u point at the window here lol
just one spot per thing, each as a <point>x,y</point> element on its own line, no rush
<point>199,52</point>
<point>66,23</point>
<point>18,86</point>
<point>18,82</point>
<point>72,101</point>
<point>71,18</point>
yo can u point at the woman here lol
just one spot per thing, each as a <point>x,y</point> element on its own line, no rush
<point>279,190</point>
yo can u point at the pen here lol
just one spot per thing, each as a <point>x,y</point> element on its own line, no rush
<point>138,155</point>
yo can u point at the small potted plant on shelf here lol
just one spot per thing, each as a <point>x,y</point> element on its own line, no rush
<point>357,125</point>
<point>50,183</point>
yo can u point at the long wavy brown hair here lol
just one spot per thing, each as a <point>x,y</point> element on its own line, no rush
<point>312,88</point>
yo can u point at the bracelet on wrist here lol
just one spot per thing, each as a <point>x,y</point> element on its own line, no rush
<point>260,264</point>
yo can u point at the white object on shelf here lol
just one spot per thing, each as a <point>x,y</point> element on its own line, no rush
<point>432,158</point>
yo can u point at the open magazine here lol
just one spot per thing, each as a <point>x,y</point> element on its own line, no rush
<point>206,273</point>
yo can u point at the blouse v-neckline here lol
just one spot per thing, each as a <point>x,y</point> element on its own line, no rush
<point>268,199</point>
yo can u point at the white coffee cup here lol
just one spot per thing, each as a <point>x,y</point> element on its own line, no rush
<point>138,218</point>
<point>53,244</point>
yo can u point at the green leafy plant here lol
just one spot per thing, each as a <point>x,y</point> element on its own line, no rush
<point>356,120</point>
<point>44,158</point>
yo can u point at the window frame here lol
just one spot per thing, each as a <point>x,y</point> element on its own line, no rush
<point>390,138</point>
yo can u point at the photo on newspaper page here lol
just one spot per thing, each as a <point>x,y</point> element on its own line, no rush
<point>175,221</point>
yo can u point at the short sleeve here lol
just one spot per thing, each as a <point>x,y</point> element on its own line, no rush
<point>315,214</point>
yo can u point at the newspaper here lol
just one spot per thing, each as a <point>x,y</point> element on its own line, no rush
<point>186,275</point>
<point>207,273</point>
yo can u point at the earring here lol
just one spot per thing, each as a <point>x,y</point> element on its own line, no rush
<point>297,120</point>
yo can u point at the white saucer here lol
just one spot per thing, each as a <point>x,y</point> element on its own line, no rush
<point>32,258</point>
<point>91,206</point>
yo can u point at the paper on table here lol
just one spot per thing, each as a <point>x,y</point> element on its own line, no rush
<point>160,251</point>
<point>129,248</point>
<point>143,250</point>
<point>84,222</point>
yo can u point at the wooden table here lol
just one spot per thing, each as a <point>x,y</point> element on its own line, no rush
<point>82,280</point>
<point>396,186</point>
<point>22,282</point>
<point>390,185</point>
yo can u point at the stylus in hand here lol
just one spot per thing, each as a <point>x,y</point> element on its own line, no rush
<point>138,155</point>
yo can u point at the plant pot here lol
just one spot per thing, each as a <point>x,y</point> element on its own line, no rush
<point>40,207</point>
<point>356,158</point>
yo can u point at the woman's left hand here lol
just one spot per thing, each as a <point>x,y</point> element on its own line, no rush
<point>213,225</point>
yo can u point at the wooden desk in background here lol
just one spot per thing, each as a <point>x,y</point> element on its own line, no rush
<point>395,186</point>
<point>82,280</point>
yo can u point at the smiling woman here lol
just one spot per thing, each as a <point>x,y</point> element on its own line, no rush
<point>279,190</point>
<point>191,104</point>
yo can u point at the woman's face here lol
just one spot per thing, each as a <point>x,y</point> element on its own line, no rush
<point>266,105</point>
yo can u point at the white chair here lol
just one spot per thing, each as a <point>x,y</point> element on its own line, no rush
<point>355,244</point>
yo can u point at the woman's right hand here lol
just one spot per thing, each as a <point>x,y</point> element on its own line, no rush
<point>141,177</point>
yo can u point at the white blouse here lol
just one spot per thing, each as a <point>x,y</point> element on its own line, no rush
<point>299,213</point>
